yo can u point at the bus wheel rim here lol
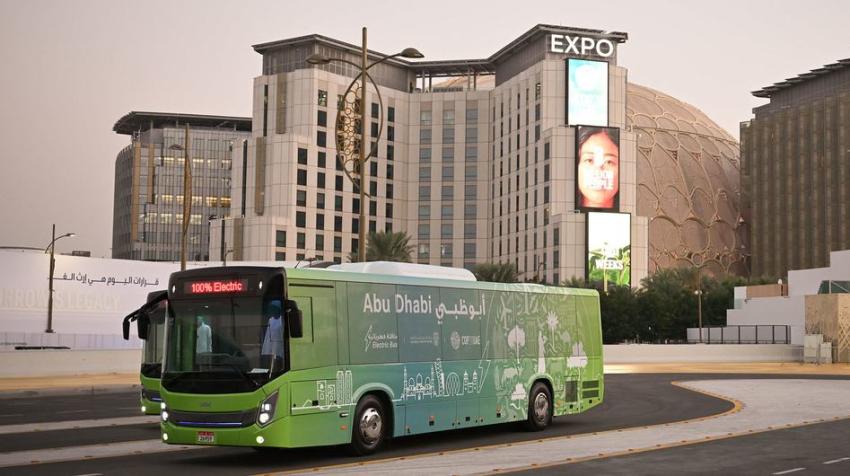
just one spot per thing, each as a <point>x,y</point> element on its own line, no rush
<point>541,407</point>
<point>370,425</point>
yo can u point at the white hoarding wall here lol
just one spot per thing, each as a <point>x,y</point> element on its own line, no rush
<point>91,297</point>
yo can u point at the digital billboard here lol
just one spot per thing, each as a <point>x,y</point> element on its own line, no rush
<point>597,168</point>
<point>587,92</point>
<point>609,248</point>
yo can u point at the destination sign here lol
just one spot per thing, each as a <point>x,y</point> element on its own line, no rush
<point>217,286</point>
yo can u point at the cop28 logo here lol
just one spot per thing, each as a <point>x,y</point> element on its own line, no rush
<point>581,45</point>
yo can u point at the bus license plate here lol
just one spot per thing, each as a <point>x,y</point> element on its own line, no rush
<point>206,437</point>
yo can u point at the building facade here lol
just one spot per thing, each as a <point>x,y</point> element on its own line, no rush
<point>148,202</point>
<point>795,159</point>
<point>474,171</point>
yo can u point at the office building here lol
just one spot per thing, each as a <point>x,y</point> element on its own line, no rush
<point>148,203</point>
<point>795,160</point>
<point>473,170</point>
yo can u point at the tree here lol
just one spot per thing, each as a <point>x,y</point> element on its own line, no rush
<point>387,246</point>
<point>496,272</point>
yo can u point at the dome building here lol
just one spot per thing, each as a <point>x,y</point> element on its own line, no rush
<point>688,171</point>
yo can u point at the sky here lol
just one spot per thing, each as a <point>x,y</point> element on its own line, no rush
<point>70,69</point>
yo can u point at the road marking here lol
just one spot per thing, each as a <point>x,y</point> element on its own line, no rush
<point>75,424</point>
<point>836,461</point>
<point>90,474</point>
<point>787,471</point>
<point>72,411</point>
<point>11,415</point>
<point>88,452</point>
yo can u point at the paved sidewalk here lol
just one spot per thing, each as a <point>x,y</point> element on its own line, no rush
<point>68,384</point>
<point>103,383</point>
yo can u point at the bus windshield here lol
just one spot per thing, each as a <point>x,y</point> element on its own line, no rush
<point>152,356</point>
<point>223,344</point>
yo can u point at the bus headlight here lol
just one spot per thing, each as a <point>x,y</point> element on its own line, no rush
<point>164,415</point>
<point>266,411</point>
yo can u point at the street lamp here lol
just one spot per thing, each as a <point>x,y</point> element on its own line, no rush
<point>345,130</point>
<point>698,294</point>
<point>50,248</point>
<point>187,194</point>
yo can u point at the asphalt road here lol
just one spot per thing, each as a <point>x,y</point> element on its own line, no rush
<point>822,449</point>
<point>630,400</point>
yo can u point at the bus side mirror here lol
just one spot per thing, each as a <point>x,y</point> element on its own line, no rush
<point>295,319</point>
<point>143,324</point>
<point>126,328</point>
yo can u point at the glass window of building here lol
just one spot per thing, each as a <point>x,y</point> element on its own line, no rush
<point>320,201</point>
<point>445,250</point>
<point>320,221</point>
<point>545,194</point>
<point>425,154</point>
<point>425,211</point>
<point>448,116</point>
<point>469,250</point>
<point>469,230</point>
<point>389,190</point>
<point>337,223</point>
<point>280,238</point>
<point>373,188</point>
<point>279,256</point>
<point>320,180</point>
<point>355,243</point>
<point>471,153</point>
<point>424,135</point>
<point>471,111</point>
<point>302,156</point>
<point>546,151</point>
<point>301,198</point>
<point>446,211</point>
<point>300,219</point>
<point>322,118</point>
<point>302,177</point>
<point>390,152</point>
<point>338,183</point>
<point>355,205</point>
<point>470,191</point>
<point>446,230</point>
<point>448,135</point>
<point>390,133</point>
<point>448,192</point>
<point>320,242</point>
<point>374,131</point>
<point>389,171</point>
<point>323,98</point>
<point>337,244</point>
<point>388,210</point>
<point>321,138</point>
<point>425,118</point>
<point>470,210</point>
<point>470,172</point>
<point>538,91</point>
<point>355,225</point>
<point>375,110</point>
<point>448,154</point>
<point>373,208</point>
<point>322,161</point>
<point>391,114</point>
<point>424,250</point>
<point>301,241</point>
<point>373,226</point>
<point>448,172</point>
<point>424,231</point>
<point>471,134</point>
<point>424,192</point>
<point>338,203</point>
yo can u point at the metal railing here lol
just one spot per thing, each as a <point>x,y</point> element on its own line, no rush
<point>754,334</point>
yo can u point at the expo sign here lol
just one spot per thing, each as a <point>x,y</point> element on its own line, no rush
<point>580,45</point>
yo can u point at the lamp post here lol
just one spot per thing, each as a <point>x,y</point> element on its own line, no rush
<point>50,248</point>
<point>187,194</point>
<point>698,293</point>
<point>346,130</point>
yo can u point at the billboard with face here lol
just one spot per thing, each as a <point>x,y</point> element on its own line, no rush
<point>597,168</point>
<point>609,248</point>
<point>587,92</point>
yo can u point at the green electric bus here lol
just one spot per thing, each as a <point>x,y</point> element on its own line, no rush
<point>150,325</point>
<point>272,357</point>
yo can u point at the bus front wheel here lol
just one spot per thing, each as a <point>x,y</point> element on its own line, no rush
<point>539,408</point>
<point>369,426</point>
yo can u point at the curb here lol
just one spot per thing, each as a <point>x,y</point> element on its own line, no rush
<point>70,391</point>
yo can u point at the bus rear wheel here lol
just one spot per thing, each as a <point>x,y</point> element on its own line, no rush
<point>539,408</point>
<point>368,430</point>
